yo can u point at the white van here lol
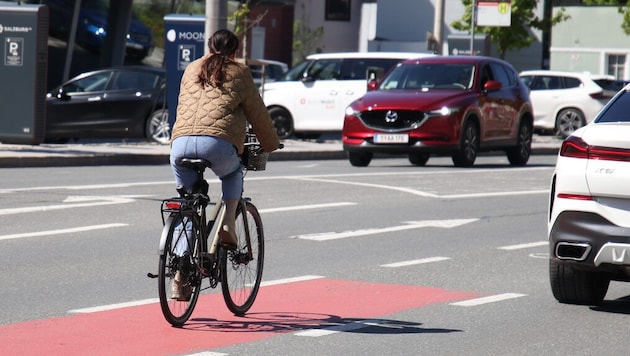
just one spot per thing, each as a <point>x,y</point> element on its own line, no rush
<point>311,97</point>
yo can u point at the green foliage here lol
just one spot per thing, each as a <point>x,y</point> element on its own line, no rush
<point>305,41</point>
<point>152,14</point>
<point>240,17</point>
<point>517,35</point>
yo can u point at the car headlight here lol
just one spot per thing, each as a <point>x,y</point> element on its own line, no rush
<point>351,112</point>
<point>443,111</point>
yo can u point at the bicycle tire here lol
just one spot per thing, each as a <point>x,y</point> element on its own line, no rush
<point>241,274</point>
<point>177,312</point>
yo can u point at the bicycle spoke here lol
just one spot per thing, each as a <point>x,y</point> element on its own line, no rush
<point>241,274</point>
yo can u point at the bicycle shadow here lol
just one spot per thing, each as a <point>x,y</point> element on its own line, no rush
<point>286,322</point>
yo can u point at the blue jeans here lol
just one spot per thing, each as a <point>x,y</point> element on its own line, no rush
<point>221,153</point>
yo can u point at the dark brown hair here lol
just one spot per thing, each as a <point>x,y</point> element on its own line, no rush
<point>222,45</point>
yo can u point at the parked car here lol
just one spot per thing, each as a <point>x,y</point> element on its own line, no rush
<point>457,105</point>
<point>92,26</point>
<point>566,101</point>
<point>311,98</point>
<point>273,70</point>
<point>589,207</point>
<point>121,102</point>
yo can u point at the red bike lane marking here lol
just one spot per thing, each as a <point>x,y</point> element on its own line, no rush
<point>279,309</point>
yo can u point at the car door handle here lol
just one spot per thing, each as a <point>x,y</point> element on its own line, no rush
<point>349,92</point>
<point>333,92</point>
<point>94,98</point>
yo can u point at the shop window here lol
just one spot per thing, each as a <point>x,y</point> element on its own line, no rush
<point>337,10</point>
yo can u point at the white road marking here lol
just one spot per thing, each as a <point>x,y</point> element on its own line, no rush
<point>370,185</point>
<point>61,231</point>
<point>207,353</point>
<point>83,187</point>
<point>527,245</point>
<point>337,328</point>
<point>305,207</point>
<point>363,232</point>
<point>156,300</point>
<point>494,194</point>
<point>114,306</point>
<point>416,262</point>
<point>486,300</point>
<point>72,202</point>
<point>289,280</point>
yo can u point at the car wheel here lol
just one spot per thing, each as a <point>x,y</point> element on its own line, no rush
<point>574,286</point>
<point>419,159</point>
<point>158,128</point>
<point>467,153</point>
<point>360,159</point>
<point>519,154</point>
<point>569,120</point>
<point>282,122</point>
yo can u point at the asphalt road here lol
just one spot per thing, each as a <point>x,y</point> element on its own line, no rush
<point>387,259</point>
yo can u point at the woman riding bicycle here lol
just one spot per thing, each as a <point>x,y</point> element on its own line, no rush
<point>217,98</point>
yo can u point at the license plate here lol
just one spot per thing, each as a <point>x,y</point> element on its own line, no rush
<point>391,138</point>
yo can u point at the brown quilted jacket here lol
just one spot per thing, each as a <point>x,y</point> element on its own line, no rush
<point>223,112</point>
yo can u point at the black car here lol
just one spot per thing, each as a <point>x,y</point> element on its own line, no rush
<point>121,102</point>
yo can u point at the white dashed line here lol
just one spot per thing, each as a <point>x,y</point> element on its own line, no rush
<point>521,246</point>
<point>289,280</point>
<point>416,262</point>
<point>486,300</point>
<point>336,328</point>
<point>114,306</point>
<point>60,232</point>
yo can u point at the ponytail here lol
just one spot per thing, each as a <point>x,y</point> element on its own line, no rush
<point>223,44</point>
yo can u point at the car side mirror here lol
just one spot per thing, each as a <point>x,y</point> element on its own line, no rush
<point>62,95</point>
<point>307,79</point>
<point>491,86</point>
<point>372,85</point>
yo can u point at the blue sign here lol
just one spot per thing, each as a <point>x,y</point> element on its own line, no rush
<point>185,42</point>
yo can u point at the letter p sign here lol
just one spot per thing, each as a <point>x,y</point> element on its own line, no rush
<point>13,51</point>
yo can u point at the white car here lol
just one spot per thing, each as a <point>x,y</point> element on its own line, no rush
<point>589,207</point>
<point>565,101</point>
<point>312,97</point>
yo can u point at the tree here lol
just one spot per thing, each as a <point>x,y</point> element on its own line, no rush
<point>518,35</point>
<point>622,6</point>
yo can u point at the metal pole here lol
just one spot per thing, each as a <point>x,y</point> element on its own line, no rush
<point>473,11</point>
<point>216,18</point>
<point>438,25</point>
<point>71,39</point>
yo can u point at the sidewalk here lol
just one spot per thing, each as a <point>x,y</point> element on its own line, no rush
<point>144,153</point>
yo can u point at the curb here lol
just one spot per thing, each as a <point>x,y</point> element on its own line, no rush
<point>108,158</point>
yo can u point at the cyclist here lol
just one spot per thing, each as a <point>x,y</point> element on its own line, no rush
<point>217,99</point>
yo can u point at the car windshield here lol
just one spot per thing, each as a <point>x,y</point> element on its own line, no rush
<point>296,72</point>
<point>428,76</point>
<point>617,111</point>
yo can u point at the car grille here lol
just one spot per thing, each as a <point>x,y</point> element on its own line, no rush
<point>392,120</point>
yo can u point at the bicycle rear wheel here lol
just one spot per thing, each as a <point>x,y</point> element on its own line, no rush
<point>177,271</point>
<point>241,269</point>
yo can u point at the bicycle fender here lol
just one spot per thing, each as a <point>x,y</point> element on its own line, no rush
<point>167,226</point>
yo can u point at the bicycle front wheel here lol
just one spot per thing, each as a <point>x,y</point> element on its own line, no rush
<point>241,269</point>
<point>179,281</point>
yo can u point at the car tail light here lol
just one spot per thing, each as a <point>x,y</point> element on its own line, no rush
<point>575,147</point>
<point>575,196</point>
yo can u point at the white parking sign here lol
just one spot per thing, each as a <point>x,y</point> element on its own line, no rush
<point>186,54</point>
<point>14,51</point>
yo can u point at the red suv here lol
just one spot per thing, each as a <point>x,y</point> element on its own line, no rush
<point>457,105</point>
